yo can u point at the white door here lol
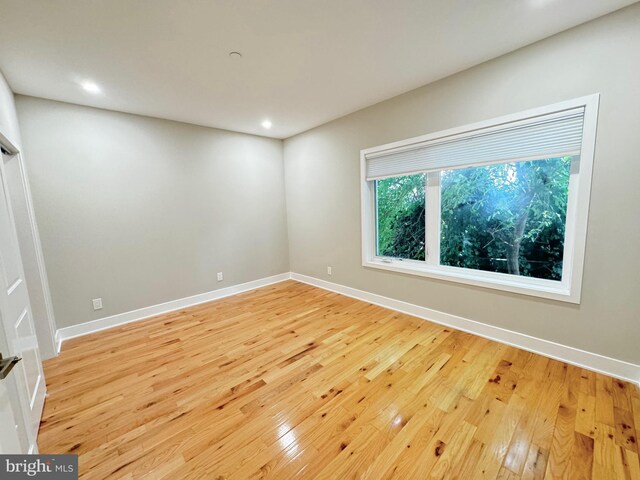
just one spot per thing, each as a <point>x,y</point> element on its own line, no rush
<point>17,323</point>
<point>15,176</point>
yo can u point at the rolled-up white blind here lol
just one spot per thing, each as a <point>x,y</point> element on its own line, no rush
<point>547,136</point>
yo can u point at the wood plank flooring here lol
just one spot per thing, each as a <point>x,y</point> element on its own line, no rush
<point>290,381</point>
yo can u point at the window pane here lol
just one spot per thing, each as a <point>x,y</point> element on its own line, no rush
<point>507,218</point>
<point>400,217</point>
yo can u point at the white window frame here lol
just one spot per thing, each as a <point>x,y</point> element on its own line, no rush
<point>567,290</point>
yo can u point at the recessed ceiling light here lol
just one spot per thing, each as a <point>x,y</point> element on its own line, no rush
<point>91,87</point>
<point>266,124</point>
<point>235,55</point>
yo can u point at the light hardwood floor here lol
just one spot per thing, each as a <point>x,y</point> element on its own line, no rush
<point>290,381</point>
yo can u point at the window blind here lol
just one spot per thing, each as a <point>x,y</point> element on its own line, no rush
<point>553,135</point>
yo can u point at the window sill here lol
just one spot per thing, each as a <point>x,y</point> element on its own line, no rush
<point>498,281</point>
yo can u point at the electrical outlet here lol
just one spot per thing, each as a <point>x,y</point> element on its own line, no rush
<point>329,271</point>
<point>97,303</point>
<point>220,278</point>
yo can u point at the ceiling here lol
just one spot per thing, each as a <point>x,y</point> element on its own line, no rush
<point>304,62</point>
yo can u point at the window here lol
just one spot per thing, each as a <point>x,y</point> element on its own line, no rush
<point>501,204</point>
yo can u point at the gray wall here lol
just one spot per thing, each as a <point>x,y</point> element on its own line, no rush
<point>323,184</point>
<point>141,211</point>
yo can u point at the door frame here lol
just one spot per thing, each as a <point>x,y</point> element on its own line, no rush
<point>46,330</point>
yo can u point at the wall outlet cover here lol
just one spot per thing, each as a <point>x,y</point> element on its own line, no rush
<point>97,303</point>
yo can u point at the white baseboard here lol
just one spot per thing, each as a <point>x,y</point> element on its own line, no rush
<point>591,361</point>
<point>581,358</point>
<point>93,326</point>
<point>58,341</point>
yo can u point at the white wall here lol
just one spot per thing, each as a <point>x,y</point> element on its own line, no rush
<point>323,184</point>
<point>141,211</point>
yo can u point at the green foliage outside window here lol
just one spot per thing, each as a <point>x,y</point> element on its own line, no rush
<point>507,218</point>
<point>401,217</point>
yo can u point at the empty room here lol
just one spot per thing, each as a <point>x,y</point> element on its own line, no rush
<point>251,239</point>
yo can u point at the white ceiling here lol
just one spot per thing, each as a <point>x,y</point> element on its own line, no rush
<point>304,61</point>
